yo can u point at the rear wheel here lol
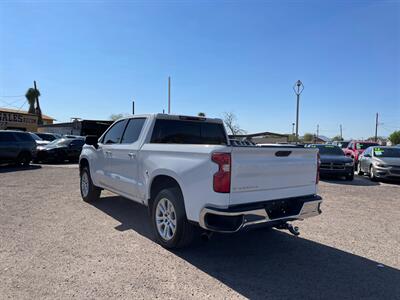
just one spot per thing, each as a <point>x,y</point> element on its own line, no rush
<point>24,159</point>
<point>89,191</point>
<point>170,225</point>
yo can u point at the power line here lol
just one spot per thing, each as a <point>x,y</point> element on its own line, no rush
<point>10,104</point>
<point>16,96</point>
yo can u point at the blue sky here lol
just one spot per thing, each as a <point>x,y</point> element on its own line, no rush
<point>92,58</point>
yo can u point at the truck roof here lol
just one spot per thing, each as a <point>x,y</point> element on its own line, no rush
<point>175,117</point>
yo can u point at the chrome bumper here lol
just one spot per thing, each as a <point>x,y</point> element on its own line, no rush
<point>248,217</point>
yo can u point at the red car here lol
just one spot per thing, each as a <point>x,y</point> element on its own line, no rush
<point>355,148</point>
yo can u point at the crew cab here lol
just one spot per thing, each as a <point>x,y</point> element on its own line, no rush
<point>356,148</point>
<point>187,173</point>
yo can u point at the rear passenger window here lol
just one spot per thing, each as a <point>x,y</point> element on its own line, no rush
<point>114,135</point>
<point>7,137</point>
<point>25,137</point>
<point>188,132</point>
<point>133,130</point>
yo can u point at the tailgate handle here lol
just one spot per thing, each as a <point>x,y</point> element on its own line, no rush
<point>282,153</point>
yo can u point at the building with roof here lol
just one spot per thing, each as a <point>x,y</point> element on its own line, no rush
<point>77,127</point>
<point>21,120</point>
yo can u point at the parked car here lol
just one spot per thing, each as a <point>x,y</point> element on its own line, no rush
<point>60,150</point>
<point>16,147</point>
<point>334,162</point>
<point>380,162</point>
<point>355,148</point>
<point>341,144</point>
<point>48,136</point>
<point>187,174</point>
<point>39,141</point>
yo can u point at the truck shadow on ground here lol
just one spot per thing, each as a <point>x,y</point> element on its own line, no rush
<point>11,168</point>
<point>271,264</point>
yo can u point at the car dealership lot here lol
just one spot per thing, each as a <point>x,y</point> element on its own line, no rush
<point>54,245</point>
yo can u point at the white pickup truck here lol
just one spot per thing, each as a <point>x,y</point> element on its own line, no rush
<point>188,174</point>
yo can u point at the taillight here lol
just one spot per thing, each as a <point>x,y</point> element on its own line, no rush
<point>222,179</point>
<point>318,165</point>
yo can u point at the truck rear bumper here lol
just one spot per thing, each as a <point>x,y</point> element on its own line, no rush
<point>235,218</point>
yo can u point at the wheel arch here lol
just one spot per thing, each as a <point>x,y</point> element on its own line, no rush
<point>83,162</point>
<point>158,183</point>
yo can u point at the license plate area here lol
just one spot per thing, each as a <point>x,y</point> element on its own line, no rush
<point>277,209</point>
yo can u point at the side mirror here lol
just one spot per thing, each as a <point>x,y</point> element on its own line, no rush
<point>92,140</point>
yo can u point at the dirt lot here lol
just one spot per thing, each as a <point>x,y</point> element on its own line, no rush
<point>53,245</point>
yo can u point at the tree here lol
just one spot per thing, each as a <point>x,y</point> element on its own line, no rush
<point>115,117</point>
<point>230,121</point>
<point>308,137</point>
<point>395,137</point>
<point>31,95</point>
<point>201,114</point>
<point>337,138</point>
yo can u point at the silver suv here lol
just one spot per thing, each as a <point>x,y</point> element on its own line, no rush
<point>16,147</point>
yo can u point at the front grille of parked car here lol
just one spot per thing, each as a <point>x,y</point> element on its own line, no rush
<point>332,166</point>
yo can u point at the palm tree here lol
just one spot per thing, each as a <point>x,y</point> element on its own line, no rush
<point>31,95</point>
<point>201,114</point>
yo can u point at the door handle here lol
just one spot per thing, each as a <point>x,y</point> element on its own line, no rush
<point>131,155</point>
<point>108,153</point>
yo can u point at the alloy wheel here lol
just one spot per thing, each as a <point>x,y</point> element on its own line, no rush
<point>166,219</point>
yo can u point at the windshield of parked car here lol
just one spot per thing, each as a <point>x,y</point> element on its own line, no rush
<point>46,137</point>
<point>328,150</point>
<point>386,152</point>
<point>343,144</point>
<point>363,146</point>
<point>59,143</point>
<point>36,137</point>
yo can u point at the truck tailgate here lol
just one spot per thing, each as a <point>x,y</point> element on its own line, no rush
<point>269,173</point>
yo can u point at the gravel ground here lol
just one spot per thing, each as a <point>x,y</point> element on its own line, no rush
<point>53,245</point>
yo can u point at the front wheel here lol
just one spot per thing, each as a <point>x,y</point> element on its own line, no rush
<point>350,177</point>
<point>89,191</point>
<point>170,225</point>
<point>359,171</point>
<point>372,174</point>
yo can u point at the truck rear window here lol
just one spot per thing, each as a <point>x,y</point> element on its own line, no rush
<point>188,132</point>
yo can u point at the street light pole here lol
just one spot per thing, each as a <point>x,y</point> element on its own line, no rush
<point>298,88</point>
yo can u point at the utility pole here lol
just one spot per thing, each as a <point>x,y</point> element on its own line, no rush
<point>317,131</point>
<point>38,110</point>
<point>341,133</point>
<point>169,94</point>
<point>376,127</point>
<point>298,88</point>
<point>133,107</point>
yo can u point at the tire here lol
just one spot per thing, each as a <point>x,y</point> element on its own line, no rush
<point>173,222</point>
<point>24,159</point>
<point>359,172</point>
<point>89,192</point>
<point>350,177</point>
<point>372,176</point>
